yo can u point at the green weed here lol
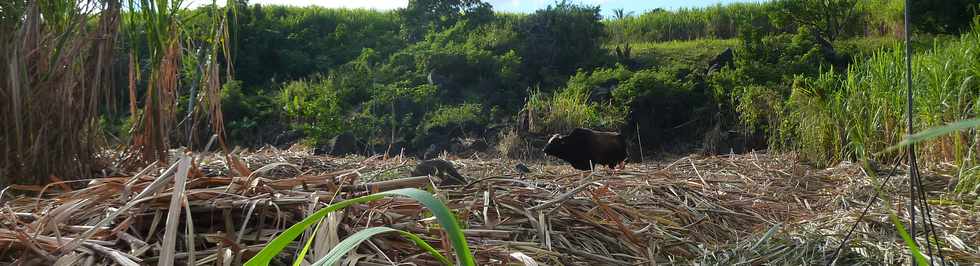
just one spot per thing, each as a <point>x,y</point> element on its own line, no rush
<point>442,213</point>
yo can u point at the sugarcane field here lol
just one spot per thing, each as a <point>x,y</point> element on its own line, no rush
<point>476,132</point>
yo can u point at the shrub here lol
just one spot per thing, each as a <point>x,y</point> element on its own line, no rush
<point>658,83</point>
<point>778,58</point>
<point>280,43</point>
<point>719,21</point>
<point>758,107</point>
<point>567,109</point>
<point>610,114</point>
<point>314,108</point>
<point>862,111</point>
<point>456,116</point>
<point>832,19</point>
<point>558,40</point>
<point>599,77</point>
<point>815,125</point>
<point>511,145</point>
<point>251,118</point>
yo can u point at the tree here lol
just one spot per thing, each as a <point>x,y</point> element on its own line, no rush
<point>560,39</point>
<point>828,18</point>
<point>943,16</point>
<point>422,15</point>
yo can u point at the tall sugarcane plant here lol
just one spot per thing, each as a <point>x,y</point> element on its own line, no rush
<point>55,57</point>
<point>56,80</point>
<point>168,44</point>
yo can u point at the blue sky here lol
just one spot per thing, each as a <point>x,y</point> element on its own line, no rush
<point>523,6</point>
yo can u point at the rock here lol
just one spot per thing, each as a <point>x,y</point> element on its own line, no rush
<point>392,149</point>
<point>443,169</point>
<point>478,145</point>
<point>521,168</point>
<point>658,122</point>
<point>644,122</point>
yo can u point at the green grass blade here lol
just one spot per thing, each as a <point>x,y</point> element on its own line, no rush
<point>913,248</point>
<point>935,132</point>
<point>281,241</point>
<point>446,219</point>
<point>306,247</point>
<point>355,240</point>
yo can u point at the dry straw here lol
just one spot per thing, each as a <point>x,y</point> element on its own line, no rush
<point>754,208</point>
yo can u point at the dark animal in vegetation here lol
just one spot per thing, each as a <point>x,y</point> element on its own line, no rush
<point>827,49</point>
<point>601,94</point>
<point>725,58</point>
<point>340,145</point>
<point>440,168</point>
<point>583,148</point>
<point>521,168</point>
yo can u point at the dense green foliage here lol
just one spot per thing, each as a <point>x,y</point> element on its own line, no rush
<point>944,16</point>
<point>861,112</point>
<point>438,70</point>
<point>407,76</point>
<point>834,18</point>
<point>556,41</point>
<point>277,43</point>
<point>829,18</point>
<point>720,21</point>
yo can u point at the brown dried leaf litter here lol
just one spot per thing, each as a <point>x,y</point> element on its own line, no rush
<point>753,208</point>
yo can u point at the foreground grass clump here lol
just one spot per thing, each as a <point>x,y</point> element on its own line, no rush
<point>442,213</point>
<point>566,109</point>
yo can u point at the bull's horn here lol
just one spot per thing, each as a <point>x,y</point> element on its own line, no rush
<point>552,138</point>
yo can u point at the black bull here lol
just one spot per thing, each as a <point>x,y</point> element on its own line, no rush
<point>583,148</point>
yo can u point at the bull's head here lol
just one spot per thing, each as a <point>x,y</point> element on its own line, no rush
<point>555,145</point>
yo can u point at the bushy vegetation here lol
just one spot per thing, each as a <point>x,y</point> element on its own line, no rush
<point>438,70</point>
<point>450,76</point>
<point>834,18</point>
<point>410,77</point>
<point>716,22</point>
<point>279,44</point>
<point>861,112</point>
<point>576,105</point>
<point>688,54</point>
